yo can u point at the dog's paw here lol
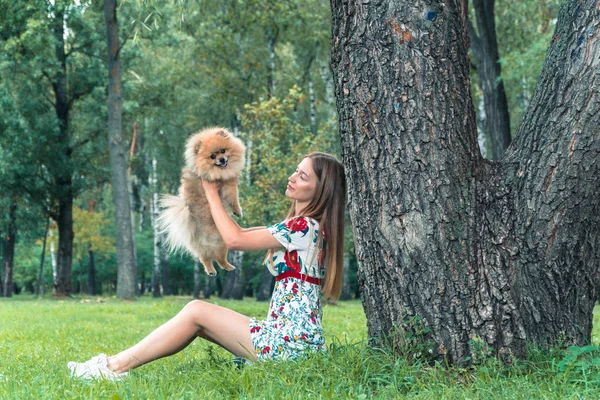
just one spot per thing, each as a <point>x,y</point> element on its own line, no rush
<point>228,267</point>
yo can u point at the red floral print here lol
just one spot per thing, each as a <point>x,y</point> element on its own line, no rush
<point>297,225</point>
<point>291,260</point>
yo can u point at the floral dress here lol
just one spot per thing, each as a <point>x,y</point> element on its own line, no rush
<point>293,325</point>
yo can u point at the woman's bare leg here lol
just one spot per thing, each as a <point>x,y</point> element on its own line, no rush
<point>225,327</point>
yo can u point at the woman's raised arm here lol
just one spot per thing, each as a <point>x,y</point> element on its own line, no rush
<point>236,238</point>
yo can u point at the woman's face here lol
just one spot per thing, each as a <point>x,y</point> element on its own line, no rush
<point>302,183</point>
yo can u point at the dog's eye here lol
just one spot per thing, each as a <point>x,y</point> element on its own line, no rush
<point>213,156</point>
<point>222,151</point>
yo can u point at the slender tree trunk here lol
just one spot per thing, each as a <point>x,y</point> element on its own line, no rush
<point>485,49</point>
<point>53,261</point>
<point>8,251</point>
<point>131,189</point>
<point>127,272</point>
<point>197,285</point>
<point>481,131</point>
<point>80,280</point>
<point>346,294</point>
<point>272,34</point>
<point>91,286</point>
<point>41,285</point>
<point>164,268</point>
<point>156,271</point>
<point>502,251</point>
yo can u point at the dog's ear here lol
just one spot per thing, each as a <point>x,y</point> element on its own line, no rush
<point>223,133</point>
<point>197,146</point>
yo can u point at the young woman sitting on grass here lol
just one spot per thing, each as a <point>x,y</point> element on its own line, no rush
<point>310,238</point>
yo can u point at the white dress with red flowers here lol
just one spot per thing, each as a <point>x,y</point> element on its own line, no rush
<point>293,325</point>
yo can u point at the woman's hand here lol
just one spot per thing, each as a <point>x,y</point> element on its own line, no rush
<point>210,188</point>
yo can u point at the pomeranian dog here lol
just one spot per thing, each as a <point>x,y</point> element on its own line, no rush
<point>216,155</point>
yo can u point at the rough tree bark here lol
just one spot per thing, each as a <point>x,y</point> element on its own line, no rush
<point>504,251</point>
<point>485,49</point>
<point>127,271</point>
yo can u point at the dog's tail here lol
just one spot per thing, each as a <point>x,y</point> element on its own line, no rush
<point>174,222</point>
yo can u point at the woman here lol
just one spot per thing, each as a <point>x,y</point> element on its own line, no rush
<point>300,247</point>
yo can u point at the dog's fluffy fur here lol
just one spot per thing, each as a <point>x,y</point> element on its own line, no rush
<point>186,219</point>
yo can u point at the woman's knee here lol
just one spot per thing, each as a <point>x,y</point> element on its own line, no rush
<point>195,306</point>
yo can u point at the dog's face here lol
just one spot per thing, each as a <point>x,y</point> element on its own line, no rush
<point>215,154</point>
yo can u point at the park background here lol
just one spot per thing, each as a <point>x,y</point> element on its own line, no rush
<point>262,70</point>
<point>258,68</point>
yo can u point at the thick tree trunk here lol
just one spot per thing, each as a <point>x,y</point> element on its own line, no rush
<point>8,252</point>
<point>506,252</point>
<point>485,49</point>
<point>234,285</point>
<point>553,168</point>
<point>64,264</point>
<point>127,271</point>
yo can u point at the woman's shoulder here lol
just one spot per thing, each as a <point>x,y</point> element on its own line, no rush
<point>301,224</point>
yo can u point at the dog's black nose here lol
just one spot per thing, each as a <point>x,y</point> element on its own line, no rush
<point>222,160</point>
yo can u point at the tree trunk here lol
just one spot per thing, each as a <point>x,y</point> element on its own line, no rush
<point>233,287</point>
<point>156,271</point>
<point>132,189</point>
<point>346,295</point>
<point>91,286</point>
<point>485,49</point>
<point>208,286</point>
<point>164,269</point>
<point>53,261</point>
<point>272,34</point>
<point>127,271</point>
<point>62,172</point>
<point>8,251</point>
<point>502,251</point>
<point>197,285</point>
<point>64,265</point>
<point>41,285</point>
<point>265,289</point>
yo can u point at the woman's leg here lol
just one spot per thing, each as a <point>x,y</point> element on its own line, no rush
<point>227,328</point>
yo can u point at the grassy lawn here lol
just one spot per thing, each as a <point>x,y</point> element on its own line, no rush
<point>39,337</point>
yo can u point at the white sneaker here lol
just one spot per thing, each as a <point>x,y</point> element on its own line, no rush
<point>96,368</point>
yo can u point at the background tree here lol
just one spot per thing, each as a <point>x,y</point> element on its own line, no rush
<point>46,46</point>
<point>127,273</point>
<point>463,248</point>
<point>485,48</point>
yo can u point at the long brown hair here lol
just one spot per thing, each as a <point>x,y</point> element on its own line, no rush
<point>327,206</point>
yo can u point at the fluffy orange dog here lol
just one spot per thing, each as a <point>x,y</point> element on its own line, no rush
<point>216,155</point>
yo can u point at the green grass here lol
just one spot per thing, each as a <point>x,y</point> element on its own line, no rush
<point>38,337</point>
